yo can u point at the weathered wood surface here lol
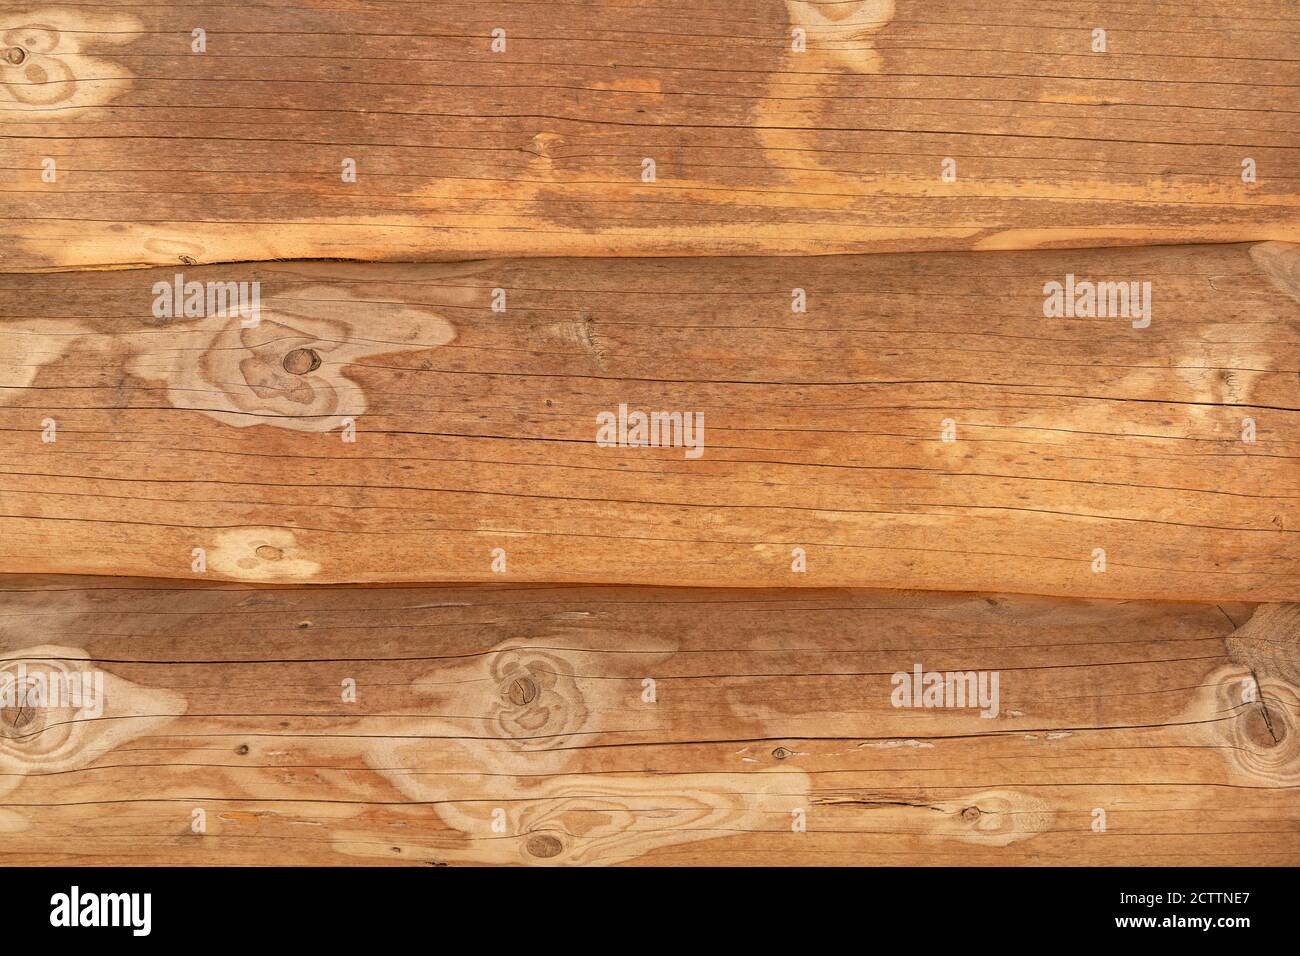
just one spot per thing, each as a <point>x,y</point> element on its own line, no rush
<point>165,155</point>
<point>824,430</point>
<point>1126,732</point>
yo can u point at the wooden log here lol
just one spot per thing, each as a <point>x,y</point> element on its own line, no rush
<point>1087,456</point>
<point>138,135</point>
<point>576,725</point>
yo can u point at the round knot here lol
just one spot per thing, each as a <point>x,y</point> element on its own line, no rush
<point>19,720</point>
<point>543,845</point>
<point>521,691</point>
<point>301,361</point>
<point>1261,730</point>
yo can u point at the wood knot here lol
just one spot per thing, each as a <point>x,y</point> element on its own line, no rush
<point>1000,818</point>
<point>536,703</point>
<point>16,55</point>
<point>268,553</point>
<point>521,691</point>
<point>543,845</point>
<point>19,720</point>
<point>1261,730</point>
<point>1262,741</point>
<point>780,753</point>
<point>301,361</point>
<point>242,750</point>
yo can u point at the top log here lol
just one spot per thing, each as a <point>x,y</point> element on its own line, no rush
<point>156,135</point>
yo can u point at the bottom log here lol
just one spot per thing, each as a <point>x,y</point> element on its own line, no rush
<point>148,723</point>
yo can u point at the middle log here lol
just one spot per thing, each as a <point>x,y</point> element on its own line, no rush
<point>1110,423</point>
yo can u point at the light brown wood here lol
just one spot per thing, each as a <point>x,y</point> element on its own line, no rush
<point>824,431</point>
<point>229,474</point>
<point>164,155</point>
<point>1125,733</point>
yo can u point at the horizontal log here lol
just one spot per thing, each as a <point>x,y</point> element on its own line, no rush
<point>774,127</point>
<point>576,725</point>
<point>921,424</point>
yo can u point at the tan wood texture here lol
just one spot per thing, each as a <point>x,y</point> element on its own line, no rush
<point>641,726</point>
<point>164,155</point>
<point>824,431</point>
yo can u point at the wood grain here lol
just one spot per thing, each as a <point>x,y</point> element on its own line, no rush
<point>165,155</point>
<point>1175,725</point>
<point>824,430</point>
